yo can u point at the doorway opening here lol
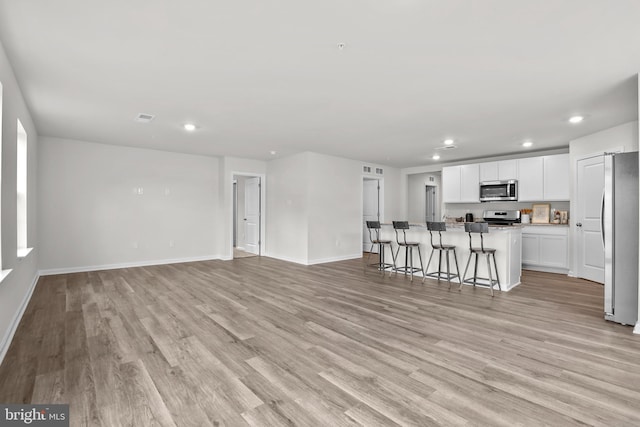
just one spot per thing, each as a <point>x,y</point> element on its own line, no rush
<point>372,208</point>
<point>247,216</point>
<point>431,208</point>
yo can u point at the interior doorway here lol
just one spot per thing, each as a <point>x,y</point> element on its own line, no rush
<point>431,207</point>
<point>247,216</point>
<point>372,206</point>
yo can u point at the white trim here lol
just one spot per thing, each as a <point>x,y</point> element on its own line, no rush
<point>636,330</point>
<point>263,213</point>
<point>67,270</point>
<point>334,259</point>
<point>286,258</point>
<point>8,337</point>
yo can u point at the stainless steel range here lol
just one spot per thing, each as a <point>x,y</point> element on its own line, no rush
<point>507,217</point>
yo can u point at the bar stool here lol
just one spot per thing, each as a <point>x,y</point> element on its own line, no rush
<point>440,247</point>
<point>374,236</point>
<point>482,228</point>
<point>408,248</point>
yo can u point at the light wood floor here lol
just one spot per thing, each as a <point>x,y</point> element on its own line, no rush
<point>263,342</point>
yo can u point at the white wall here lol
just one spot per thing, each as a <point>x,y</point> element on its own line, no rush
<point>16,287</point>
<point>91,216</point>
<point>624,136</point>
<point>287,208</point>
<point>335,208</point>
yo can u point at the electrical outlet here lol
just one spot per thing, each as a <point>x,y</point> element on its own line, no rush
<point>134,245</point>
<point>171,243</point>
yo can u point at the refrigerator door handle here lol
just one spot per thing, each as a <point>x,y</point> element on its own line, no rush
<point>607,220</point>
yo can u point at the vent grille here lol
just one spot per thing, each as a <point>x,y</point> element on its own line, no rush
<point>144,118</point>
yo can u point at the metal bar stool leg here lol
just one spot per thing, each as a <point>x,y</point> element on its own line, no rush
<point>490,275</point>
<point>424,272</point>
<point>455,258</point>
<point>466,269</point>
<point>475,272</point>
<point>496,268</point>
<point>428,264</point>
<point>448,271</point>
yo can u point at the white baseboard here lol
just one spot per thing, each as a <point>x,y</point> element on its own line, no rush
<point>286,258</point>
<point>67,270</point>
<point>334,259</point>
<point>636,330</point>
<point>8,336</point>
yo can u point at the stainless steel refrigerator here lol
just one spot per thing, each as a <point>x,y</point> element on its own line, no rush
<point>620,237</point>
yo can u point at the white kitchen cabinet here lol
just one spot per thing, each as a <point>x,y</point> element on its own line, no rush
<point>502,170</point>
<point>530,179</point>
<point>545,248</point>
<point>451,184</point>
<point>470,183</point>
<point>556,177</point>
<point>460,184</point>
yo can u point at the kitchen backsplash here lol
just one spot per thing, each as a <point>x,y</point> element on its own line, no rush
<point>454,210</point>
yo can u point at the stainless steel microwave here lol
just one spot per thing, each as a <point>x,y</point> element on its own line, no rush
<point>495,191</point>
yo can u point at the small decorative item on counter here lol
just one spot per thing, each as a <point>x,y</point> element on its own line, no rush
<point>556,217</point>
<point>564,217</point>
<point>525,216</point>
<point>541,213</point>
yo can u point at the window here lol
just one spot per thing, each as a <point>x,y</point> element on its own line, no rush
<point>21,189</point>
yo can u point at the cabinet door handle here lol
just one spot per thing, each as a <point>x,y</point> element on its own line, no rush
<point>579,224</point>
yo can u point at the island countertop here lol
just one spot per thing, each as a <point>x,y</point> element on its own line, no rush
<point>506,239</point>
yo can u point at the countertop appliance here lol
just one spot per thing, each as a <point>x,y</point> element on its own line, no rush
<point>508,217</point>
<point>619,230</point>
<point>468,217</point>
<point>499,191</point>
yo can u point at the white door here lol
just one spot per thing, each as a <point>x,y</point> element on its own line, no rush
<point>252,215</point>
<point>590,249</point>
<point>370,210</point>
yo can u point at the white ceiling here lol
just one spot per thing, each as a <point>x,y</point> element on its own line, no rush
<point>257,76</point>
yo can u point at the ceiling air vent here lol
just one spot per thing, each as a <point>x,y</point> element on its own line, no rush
<point>446,147</point>
<point>144,118</point>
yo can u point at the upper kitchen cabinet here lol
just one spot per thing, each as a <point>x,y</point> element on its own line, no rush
<point>502,170</point>
<point>543,178</point>
<point>556,177</point>
<point>460,184</point>
<point>530,182</point>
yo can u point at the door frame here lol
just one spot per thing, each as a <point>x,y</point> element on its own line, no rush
<point>380,201</point>
<point>573,203</point>
<point>262,242</point>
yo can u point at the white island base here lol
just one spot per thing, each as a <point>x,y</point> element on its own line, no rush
<point>506,240</point>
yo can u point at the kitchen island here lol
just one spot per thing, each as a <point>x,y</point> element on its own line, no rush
<point>506,240</point>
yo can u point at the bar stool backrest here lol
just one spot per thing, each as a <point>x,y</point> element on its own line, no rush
<point>476,227</point>
<point>401,225</point>
<point>436,226</point>
<point>374,230</point>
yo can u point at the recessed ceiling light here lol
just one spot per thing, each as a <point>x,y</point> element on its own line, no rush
<point>436,157</point>
<point>576,119</point>
<point>272,152</point>
<point>189,127</point>
<point>448,141</point>
<point>527,144</point>
<point>341,46</point>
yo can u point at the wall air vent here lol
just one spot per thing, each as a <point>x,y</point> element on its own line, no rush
<point>379,171</point>
<point>446,147</point>
<point>144,118</point>
<point>366,169</point>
